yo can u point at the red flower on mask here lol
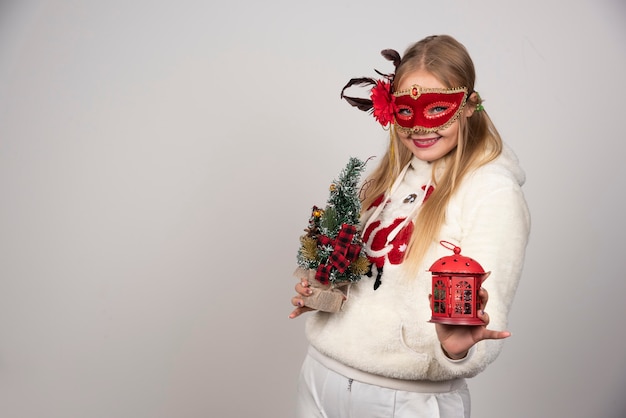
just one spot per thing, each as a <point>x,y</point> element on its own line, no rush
<point>384,103</point>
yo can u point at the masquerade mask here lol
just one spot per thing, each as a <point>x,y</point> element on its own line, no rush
<point>415,109</point>
<point>427,109</point>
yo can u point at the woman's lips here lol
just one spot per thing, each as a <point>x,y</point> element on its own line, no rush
<point>425,142</point>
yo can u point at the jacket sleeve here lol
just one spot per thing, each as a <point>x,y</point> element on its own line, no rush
<point>495,225</point>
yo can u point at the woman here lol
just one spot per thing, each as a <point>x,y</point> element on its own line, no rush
<point>446,175</point>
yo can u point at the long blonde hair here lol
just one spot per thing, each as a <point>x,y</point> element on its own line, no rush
<point>479,142</point>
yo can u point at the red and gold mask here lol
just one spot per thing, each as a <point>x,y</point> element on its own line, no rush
<point>420,109</point>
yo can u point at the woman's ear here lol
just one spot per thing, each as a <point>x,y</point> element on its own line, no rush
<point>470,108</point>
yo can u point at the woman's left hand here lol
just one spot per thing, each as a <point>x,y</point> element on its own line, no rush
<point>456,340</point>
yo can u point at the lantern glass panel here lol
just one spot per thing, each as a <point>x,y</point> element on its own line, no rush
<point>439,297</point>
<point>463,300</point>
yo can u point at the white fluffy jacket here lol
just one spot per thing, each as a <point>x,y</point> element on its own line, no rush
<point>386,331</point>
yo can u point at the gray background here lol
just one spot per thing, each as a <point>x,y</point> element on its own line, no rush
<point>158,161</point>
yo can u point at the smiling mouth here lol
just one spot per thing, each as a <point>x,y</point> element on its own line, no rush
<point>425,142</point>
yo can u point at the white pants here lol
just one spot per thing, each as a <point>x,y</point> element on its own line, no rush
<point>323,393</point>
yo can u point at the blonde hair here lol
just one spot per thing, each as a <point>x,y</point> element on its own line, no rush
<point>479,142</point>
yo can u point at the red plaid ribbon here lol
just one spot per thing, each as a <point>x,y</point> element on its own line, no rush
<point>344,252</point>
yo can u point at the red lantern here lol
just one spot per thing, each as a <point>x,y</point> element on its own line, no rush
<point>456,281</point>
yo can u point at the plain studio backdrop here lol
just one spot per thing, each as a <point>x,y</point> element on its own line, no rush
<point>159,160</point>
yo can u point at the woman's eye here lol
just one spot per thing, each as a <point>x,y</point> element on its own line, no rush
<point>439,109</point>
<point>405,112</point>
<point>435,110</point>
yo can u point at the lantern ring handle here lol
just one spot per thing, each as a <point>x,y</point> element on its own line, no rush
<point>450,246</point>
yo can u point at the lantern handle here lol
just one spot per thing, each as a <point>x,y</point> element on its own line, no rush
<point>450,246</point>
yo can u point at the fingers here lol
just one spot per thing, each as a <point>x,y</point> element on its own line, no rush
<point>299,311</point>
<point>297,301</point>
<point>484,297</point>
<point>303,288</point>
<point>483,316</point>
<point>489,334</point>
<point>482,293</point>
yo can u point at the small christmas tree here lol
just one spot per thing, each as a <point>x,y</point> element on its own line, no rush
<point>331,251</point>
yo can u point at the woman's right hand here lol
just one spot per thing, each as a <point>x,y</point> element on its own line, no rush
<point>303,288</point>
